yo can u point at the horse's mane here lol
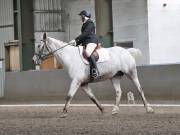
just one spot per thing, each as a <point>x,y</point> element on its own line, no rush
<point>57,41</point>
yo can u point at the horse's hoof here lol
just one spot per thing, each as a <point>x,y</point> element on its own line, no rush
<point>64,115</point>
<point>115,110</point>
<point>149,109</point>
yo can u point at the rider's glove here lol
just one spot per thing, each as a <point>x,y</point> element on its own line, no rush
<point>73,42</point>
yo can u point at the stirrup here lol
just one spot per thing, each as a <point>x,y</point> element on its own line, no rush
<point>94,73</point>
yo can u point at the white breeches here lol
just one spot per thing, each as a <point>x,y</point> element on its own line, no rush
<point>90,48</point>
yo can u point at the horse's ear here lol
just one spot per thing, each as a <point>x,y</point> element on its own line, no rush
<point>44,36</point>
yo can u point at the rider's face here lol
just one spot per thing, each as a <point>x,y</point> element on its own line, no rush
<point>82,18</point>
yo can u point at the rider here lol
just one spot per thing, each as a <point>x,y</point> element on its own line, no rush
<point>88,39</point>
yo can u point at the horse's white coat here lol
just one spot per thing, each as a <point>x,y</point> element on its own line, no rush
<point>121,60</point>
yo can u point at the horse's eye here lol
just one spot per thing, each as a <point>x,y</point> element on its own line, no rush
<point>39,46</point>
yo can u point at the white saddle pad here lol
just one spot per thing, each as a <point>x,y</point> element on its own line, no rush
<point>103,55</point>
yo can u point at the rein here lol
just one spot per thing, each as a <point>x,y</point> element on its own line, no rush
<point>46,56</point>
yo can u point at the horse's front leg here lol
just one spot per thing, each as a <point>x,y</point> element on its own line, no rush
<point>90,94</point>
<point>73,89</point>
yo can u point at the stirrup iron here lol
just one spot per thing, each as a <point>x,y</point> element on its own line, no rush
<point>94,73</point>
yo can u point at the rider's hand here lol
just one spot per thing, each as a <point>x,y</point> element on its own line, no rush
<point>73,42</point>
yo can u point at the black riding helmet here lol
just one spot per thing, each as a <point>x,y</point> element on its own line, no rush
<point>85,13</point>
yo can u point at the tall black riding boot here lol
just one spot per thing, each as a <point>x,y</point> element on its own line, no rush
<point>93,67</point>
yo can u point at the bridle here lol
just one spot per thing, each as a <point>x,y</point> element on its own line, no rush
<point>42,56</point>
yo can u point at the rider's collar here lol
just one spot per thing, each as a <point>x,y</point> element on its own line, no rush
<point>86,18</point>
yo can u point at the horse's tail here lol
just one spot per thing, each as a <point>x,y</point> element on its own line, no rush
<point>135,52</point>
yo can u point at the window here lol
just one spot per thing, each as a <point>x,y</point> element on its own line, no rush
<point>48,16</point>
<point>125,44</point>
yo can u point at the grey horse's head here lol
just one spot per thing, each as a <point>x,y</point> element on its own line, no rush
<point>41,50</point>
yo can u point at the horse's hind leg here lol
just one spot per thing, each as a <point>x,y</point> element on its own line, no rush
<point>134,77</point>
<point>88,91</point>
<point>116,84</point>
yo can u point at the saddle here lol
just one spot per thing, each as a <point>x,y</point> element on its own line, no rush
<point>100,54</point>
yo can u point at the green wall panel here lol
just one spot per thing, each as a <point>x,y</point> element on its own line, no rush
<point>105,41</point>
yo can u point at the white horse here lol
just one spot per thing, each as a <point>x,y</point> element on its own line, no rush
<point>122,62</point>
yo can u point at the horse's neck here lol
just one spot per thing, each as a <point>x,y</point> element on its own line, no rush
<point>55,44</point>
<point>65,54</point>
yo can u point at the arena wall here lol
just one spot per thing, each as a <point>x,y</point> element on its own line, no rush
<point>158,82</point>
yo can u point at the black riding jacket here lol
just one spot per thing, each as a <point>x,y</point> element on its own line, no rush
<point>87,34</point>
